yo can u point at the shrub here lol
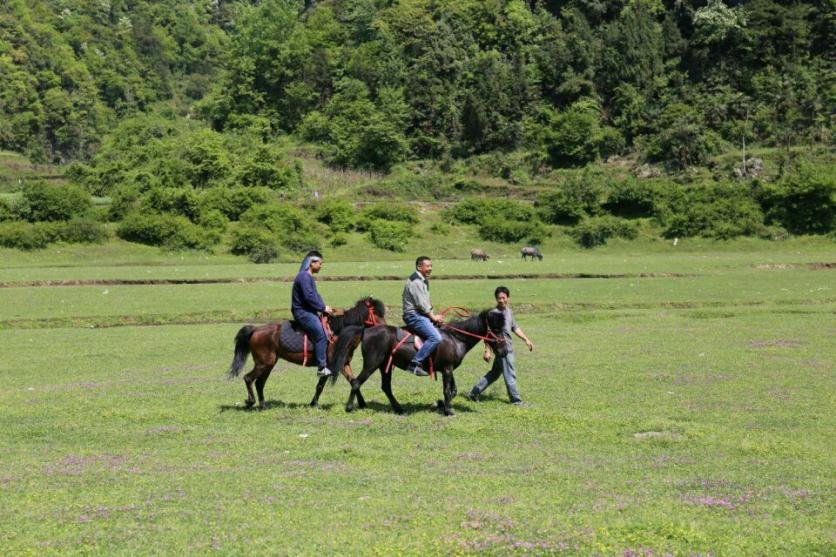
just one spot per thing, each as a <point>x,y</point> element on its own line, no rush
<point>24,235</point>
<point>172,231</point>
<point>596,231</point>
<point>125,200</point>
<point>81,231</point>
<point>233,202</point>
<point>179,201</point>
<point>392,236</point>
<point>571,201</point>
<point>498,229</point>
<point>631,198</point>
<point>293,228</point>
<point>252,241</point>
<point>804,202</point>
<point>337,214</point>
<point>213,220</point>
<point>42,202</point>
<point>479,211</point>
<point>6,211</point>
<point>393,212</point>
<point>719,211</point>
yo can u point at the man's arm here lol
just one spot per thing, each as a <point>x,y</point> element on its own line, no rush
<point>519,332</point>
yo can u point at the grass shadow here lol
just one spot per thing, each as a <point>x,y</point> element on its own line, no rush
<point>274,404</point>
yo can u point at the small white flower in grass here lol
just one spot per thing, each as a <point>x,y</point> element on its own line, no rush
<point>303,435</point>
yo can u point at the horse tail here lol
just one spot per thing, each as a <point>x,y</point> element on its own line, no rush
<point>346,341</point>
<point>242,350</point>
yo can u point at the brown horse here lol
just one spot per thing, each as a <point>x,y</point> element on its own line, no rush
<point>267,344</point>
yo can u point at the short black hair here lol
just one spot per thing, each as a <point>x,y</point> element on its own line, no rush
<point>421,259</point>
<point>503,290</point>
<point>314,253</point>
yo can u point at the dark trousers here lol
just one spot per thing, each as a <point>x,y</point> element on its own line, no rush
<point>313,327</point>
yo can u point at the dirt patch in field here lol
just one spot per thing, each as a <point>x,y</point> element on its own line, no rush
<point>77,465</point>
<point>815,266</point>
<point>775,343</point>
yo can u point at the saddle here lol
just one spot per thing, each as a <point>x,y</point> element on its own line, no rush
<point>416,340</point>
<point>292,336</point>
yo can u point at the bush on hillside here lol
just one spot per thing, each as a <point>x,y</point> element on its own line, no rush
<point>233,202</point>
<point>258,244</point>
<point>481,210</point>
<point>392,212</point>
<point>595,231</point>
<point>389,235</point>
<point>631,198</point>
<point>171,231</point>
<point>43,202</point>
<point>721,211</point>
<point>339,215</point>
<point>571,201</point>
<point>292,227</point>
<point>177,201</point>
<point>803,202</point>
<point>24,235</point>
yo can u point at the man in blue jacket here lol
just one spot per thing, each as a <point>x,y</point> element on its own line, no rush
<point>306,304</point>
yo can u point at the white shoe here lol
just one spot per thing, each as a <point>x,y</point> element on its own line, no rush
<point>324,372</point>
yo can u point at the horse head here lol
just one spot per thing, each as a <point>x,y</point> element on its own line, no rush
<point>494,325</point>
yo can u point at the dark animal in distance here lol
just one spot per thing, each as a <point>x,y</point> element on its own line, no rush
<point>531,252</point>
<point>380,343</point>
<point>265,344</point>
<point>478,255</point>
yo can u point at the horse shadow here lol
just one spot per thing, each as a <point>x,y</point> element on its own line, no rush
<point>272,405</point>
<point>411,408</point>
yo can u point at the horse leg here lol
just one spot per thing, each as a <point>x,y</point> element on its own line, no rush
<point>319,386</point>
<point>444,405</point>
<point>453,390</point>
<point>248,381</point>
<point>386,385</point>
<point>355,388</point>
<point>259,386</point>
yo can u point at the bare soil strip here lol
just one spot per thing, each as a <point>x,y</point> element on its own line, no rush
<point>340,278</point>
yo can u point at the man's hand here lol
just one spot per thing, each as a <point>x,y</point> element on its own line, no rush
<point>437,318</point>
<point>529,344</point>
<point>487,355</point>
<point>328,310</point>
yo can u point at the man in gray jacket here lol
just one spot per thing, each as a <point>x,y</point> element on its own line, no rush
<point>418,313</point>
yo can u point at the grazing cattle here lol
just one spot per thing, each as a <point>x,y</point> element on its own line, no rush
<point>531,252</point>
<point>478,255</point>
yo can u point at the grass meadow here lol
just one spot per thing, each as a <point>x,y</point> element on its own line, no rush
<point>682,402</point>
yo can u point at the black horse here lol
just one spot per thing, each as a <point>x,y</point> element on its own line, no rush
<point>267,343</point>
<point>385,345</point>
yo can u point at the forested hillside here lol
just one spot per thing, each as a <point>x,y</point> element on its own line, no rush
<point>151,96</point>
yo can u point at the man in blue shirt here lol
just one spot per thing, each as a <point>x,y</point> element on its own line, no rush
<point>418,313</point>
<point>306,304</point>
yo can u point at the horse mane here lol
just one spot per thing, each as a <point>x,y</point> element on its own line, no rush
<point>358,313</point>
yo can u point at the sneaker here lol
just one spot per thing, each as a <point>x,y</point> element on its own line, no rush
<point>324,372</point>
<point>417,370</point>
<point>471,397</point>
<point>522,404</point>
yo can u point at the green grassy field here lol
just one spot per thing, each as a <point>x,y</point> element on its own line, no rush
<point>689,415</point>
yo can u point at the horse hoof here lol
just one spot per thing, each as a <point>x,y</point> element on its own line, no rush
<point>249,403</point>
<point>349,408</point>
<point>399,411</point>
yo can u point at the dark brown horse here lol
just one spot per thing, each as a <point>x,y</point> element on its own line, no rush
<point>267,343</point>
<point>385,345</point>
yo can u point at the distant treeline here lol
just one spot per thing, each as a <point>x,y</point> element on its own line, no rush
<point>377,82</point>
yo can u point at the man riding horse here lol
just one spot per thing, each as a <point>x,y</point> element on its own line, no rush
<point>418,314</point>
<point>306,305</point>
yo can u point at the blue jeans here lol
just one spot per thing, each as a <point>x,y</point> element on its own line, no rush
<point>313,327</point>
<point>424,328</point>
<point>504,367</point>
